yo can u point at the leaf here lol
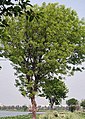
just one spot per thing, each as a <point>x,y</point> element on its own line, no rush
<point>5,22</point>
<point>23,93</point>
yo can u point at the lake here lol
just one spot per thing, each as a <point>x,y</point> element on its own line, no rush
<point>14,113</point>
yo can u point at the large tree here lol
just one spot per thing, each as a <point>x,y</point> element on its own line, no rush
<point>54,90</point>
<point>45,48</point>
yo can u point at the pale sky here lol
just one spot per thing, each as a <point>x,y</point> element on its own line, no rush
<point>9,94</point>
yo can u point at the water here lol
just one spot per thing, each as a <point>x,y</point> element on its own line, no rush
<point>12,113</point>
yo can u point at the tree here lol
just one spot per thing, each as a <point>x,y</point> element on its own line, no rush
<point>43,49</point>
<point>54,90</point>
<point>72,103</point>
<point>24,107</point>
<point>83,104</point>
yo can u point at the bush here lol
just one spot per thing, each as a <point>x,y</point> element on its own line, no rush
<point>49,115</point>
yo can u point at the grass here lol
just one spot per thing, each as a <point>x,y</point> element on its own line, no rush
<point>62,115</point>
<point>52,115</point>
<point>18,117</point>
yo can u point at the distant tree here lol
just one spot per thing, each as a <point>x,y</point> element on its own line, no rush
<point>17,107</point>
<point>54,90</point>
<point>72,103</point>
<point>25,108</point>
<point>83,104</point>
<point>45,48</point>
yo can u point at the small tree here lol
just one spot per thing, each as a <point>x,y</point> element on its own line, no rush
<point>54,90</point>
<point>83,104</point>
<point>72,103</point>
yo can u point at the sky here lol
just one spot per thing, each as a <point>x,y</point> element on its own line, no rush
<point>9,94</point>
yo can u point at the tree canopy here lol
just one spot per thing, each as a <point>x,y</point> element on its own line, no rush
<point>43,49</point>
<point>72,101</point>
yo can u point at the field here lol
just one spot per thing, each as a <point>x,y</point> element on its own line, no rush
<point>52,115</point>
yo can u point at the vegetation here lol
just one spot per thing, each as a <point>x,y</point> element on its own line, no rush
<point>14,108</point>
<point>72,103</point>
<point>61,115</point>
<point>43,49</point>
<point>83,104</point>
<point>54,90</point>
<point>51,115</point>
<point>14,8</point>
<point>17,117</point>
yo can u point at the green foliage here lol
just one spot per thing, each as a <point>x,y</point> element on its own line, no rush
<point>72,103</point>
<point>54,90</point>
<point>45,48</point>
<point>10,8</point>
<point>62,115</point>
<point>83,104</point>
<point>50,115</point>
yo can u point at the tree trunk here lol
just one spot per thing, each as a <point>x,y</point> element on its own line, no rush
<point>34,108</point>
<point>51,103</point>
<point>51,106</point>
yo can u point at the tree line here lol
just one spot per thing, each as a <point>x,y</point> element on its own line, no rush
<point>72,105</point>
<point>14,108</point>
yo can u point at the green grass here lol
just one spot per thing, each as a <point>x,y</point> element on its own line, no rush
<point>82,115</point>
<point>18,117</point>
